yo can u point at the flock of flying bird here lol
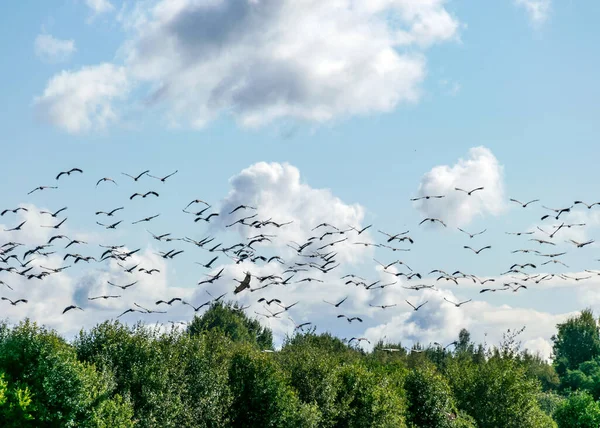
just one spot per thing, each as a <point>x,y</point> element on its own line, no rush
<point>313,261</point>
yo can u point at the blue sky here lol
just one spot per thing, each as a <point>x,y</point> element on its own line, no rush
<point>524,87</point>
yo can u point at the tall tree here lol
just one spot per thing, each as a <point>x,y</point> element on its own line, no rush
<point>577,341</point>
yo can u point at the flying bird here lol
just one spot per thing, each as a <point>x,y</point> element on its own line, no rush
<point>143,195</point>
<point>137,177</point>
<point>55,214</point>
<point>109,213</point>
<point>145,219</point>
<point>56,226</point>
<point>524,205</point>
<point>583,203</point>
<point>241,207</point>
<point>16,228</point>
<point>433,220</point>
<point>102,180</point>
<point>428,197</point>
<point>42,188</point>
<point>471,235</point>
<point>337,305</point>
<point>470,192</point>
<point>14,303</point>
<point>416,308</point>
<point>478,251</point>
<point>68,308</point>
<point>68,172</point>
<point>163,179</point>
<point>459,304</point>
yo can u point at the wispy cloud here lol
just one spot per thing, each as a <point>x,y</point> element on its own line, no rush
<point>80,101</point>
<point>538,11</point>
<point>50,49</point>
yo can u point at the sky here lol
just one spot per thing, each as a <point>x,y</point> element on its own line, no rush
<point>310,112</point>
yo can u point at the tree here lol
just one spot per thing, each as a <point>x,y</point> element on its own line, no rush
<point>580,411</point>
<point>497,393</point>
<point>431,403</point>
<point>577,341</point>
<point>464,344</point>
<point>50,384</point>
<point>15,405</point>
<point>234,323</point>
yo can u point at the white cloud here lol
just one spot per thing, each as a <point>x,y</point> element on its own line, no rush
<point>100,6</point>
<point>50,49</point>
<point>480,169</point>
<point>262,61</point>
<point>276,190</point>
<point>79,101</point>
<point>537,10</point>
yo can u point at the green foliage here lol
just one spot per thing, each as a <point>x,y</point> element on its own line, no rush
<point>579,411</point>
<point>261,396</point>
<point>233,323</point>
<point>53,387</point>
<point>577,341</point>
<point>15,404</point>
<point>497,392</point>
<point>430,398</point>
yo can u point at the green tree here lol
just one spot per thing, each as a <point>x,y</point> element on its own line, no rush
<point>44,368</point>
<point>15,405</point>
<point>577,341</point>
<point>234,323</point>
<point>497,393</point>
<point>262,397</point>
<point>431,403</point>
<point>579,411</point>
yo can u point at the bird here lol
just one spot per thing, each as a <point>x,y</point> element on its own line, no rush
<point>207,218</point>
<point>42,188</point>
<point>337,305</point>
<point>68,308</point>
<point>122,287</point>
<point>471,235</point>
<point>163,179</point>
<point>110,226</point>
<point>148,272</point>
<point>416,308</point>
<point>245,283</point>
<point>209,264</point>
<point>383,306</point>
<point>55,214</point>
<point>359,339</point>
<point>106,179</point>
<point>470,192</point>
<point>103,297</point>
<point>16,228</point>
<point>350,319</point>
<point>268,302</point>
<point>170,302</point>
<point>477,251</point>
<point>524,205</point>
<point>428,197</point>
<point>143,195</point>
<point>197,201</point>
<point>541,241</point>
<point>145,219</point>
<point>137,177</point>
<point>459,304</point>
<point>361,230</point>
<point>14,303</point>
<point>241,207</point>
<point>196,308</point>
<point>580,244</point>
<point>56,226</point>
<point>109,213</point>
<point>433,220</point>
<point>583,203</point>
<point>14,211</point>
<point>68,172</point>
